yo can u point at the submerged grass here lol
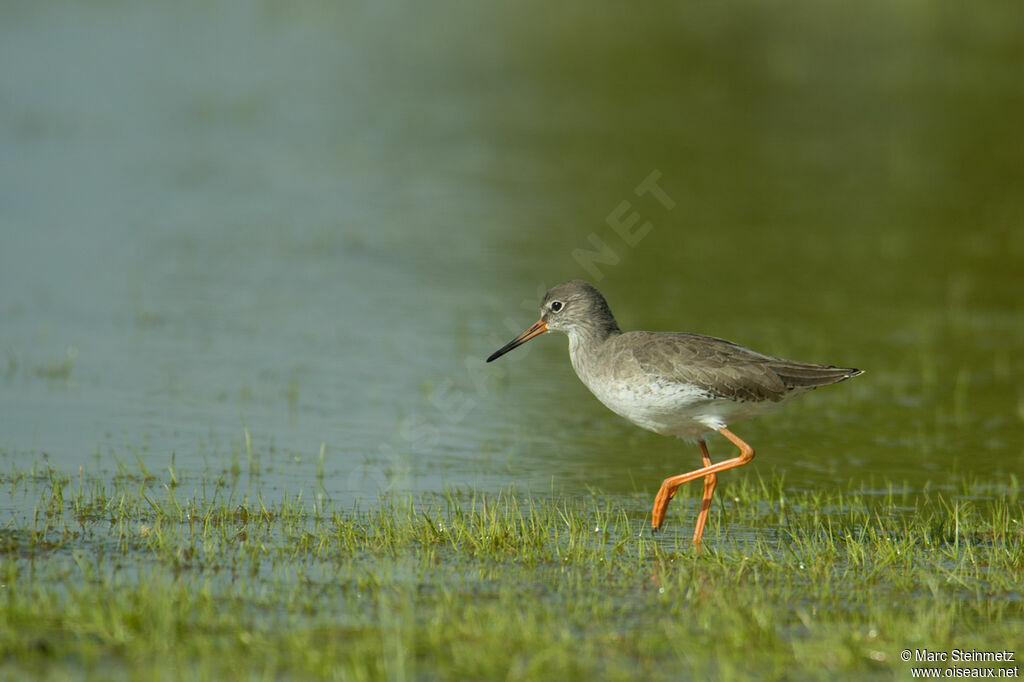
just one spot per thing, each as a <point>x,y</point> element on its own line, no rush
<point>132,579</point>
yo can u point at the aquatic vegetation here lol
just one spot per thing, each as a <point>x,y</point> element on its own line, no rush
<point>135,578</point>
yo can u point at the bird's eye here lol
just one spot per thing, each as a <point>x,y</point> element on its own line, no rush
<point>556,306</point>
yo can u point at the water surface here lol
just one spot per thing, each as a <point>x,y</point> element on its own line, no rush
<point>313,223</point>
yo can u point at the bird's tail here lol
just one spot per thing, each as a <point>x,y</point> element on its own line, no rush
<point>806,375</point>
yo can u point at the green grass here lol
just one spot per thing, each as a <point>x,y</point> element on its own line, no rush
<point>135,579</point>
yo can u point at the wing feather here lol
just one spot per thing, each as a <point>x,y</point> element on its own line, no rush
<point>722,368</point>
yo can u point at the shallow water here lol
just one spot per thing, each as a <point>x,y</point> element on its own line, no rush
<point>313,223</point>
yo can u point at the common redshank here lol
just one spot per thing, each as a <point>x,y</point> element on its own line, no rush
<point>673,383</point>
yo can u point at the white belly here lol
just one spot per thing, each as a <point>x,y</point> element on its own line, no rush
<point>672,408</point>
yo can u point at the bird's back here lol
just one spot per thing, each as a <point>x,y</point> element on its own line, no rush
<point>722,368</point>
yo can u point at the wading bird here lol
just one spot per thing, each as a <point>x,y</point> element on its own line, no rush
<point>673,383</point>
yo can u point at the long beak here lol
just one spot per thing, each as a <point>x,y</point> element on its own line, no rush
<point>536,330</point>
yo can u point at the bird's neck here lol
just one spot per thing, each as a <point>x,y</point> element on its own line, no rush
<point>585,342</point>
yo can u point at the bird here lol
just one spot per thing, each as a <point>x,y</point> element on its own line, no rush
<point>678,384</point>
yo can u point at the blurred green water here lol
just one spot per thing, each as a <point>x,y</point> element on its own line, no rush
<point>310,219</point>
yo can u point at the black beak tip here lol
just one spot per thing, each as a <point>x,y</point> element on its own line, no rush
<point>501,351</point>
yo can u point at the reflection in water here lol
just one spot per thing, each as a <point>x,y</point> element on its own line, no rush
<point>317,221</point>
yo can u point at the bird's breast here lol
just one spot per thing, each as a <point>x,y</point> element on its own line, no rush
<point>666,407</point>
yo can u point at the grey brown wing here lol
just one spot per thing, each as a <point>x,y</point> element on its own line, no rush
<point>722,368</point>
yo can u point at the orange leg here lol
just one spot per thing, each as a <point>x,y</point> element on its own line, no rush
<point>671,484</point>
<point>710,481</point>
<point>709,486</point>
